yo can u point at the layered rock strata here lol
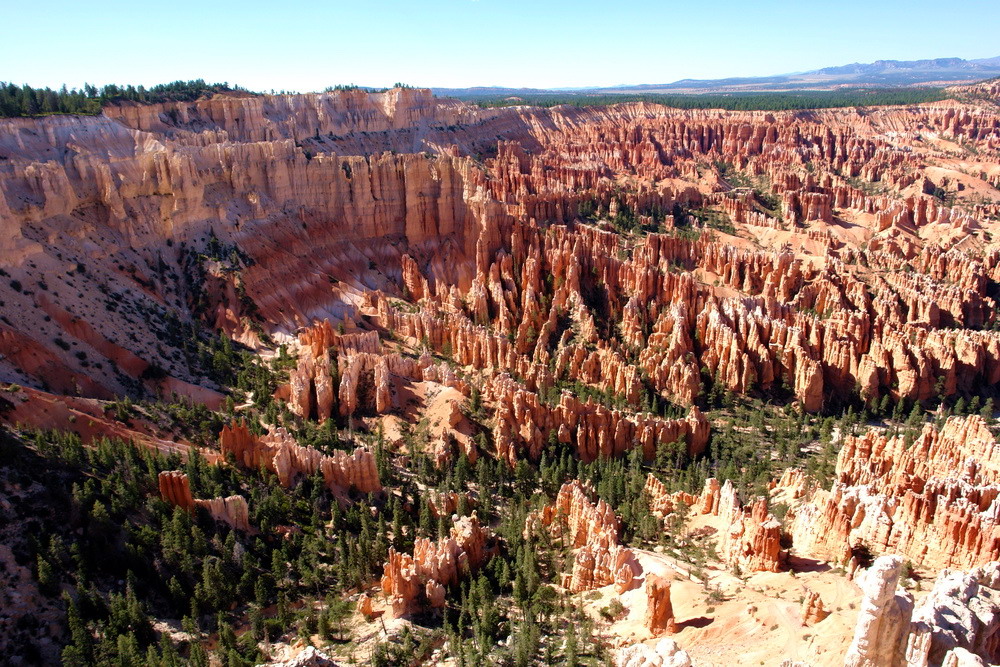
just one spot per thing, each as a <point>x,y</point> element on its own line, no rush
<point>934,501</point>
<point>278,452</point>
<point>265,214</point>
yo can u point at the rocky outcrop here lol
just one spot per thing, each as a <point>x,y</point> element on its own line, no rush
<point>496,243</point>
<point>231,509</point>
<point>309,656</point>
<point>659,610</point>
<point>175,488</point>
<point>813,610</point>
<point>962,448</point>
<point>751,538</point>
<point>593,530</point>
<point>752,542</point>
<point>366,607</point>
<point>665,653</point>
<point>934,501</point>
<point>413,582</point>
<point>960,617</point>
<point>662,503</point>
<point>278,452</point>
<point>443,503</point>
<point>524,425</point>
<point>884,618</point>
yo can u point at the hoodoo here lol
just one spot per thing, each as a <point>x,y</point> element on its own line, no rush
<point>396,378</point>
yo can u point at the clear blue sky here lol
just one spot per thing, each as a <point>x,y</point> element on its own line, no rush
<point>296,45</point>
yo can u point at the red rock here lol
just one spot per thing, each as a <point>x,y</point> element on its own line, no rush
<point>365,607</point>
<point>933,501</point>
<point>176,489</point>
<point>593,529</point>
<point>662,503</point>
<point>752,542</point>
<point>279,453</point>
<point>659,610</point>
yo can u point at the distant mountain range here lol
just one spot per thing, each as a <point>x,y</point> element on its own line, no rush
<point>881,73</point>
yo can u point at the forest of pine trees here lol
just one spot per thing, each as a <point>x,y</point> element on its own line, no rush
<point>764,101</point>
<point>24,100</point>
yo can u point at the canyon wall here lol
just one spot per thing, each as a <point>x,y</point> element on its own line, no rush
<point>294,205</point>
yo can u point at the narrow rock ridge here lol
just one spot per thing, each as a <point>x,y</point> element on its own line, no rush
<point>175,488</point>
<point>277,451</point>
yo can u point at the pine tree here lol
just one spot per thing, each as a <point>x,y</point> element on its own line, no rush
<point>80,651</point>
<point>425,519</point>
<point>570,650</point>
<point>48,582</point>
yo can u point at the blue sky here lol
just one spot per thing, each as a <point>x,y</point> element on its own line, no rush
<point>296,45</point>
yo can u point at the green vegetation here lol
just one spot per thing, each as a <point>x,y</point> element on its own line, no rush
<point>27,101</point>
<point>771,101</point>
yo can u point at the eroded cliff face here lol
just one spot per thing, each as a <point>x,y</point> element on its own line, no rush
<point>934,501</point>
<point>262,214</point>
<point>277,451</point>
<point>585,277</point>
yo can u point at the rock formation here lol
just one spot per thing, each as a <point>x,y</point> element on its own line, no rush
<point>961,617</point>
<point>880,637</point>
<point>495,243</point>
<point>278,452</point>
<point>175,488</point>
<point>662,503</point>
<point>593,530</point>
<point>589,275</point>
<point>659,612</point>
<point>812,609</point>
<point>752,542</point>
<point>309,656</point>
<point>412,582</point>
<point>934,501</point>
<point>665,653</point>
<point>365,606</point>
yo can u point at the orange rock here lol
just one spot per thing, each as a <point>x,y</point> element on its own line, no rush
<point>593,529</point>
<point>933,501</point>
<point>812,609</point>
<point>659,610</point>
<point>365,607</point>
<point>279,453</point>
<point>175,488</point>
<point>409,582</point>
